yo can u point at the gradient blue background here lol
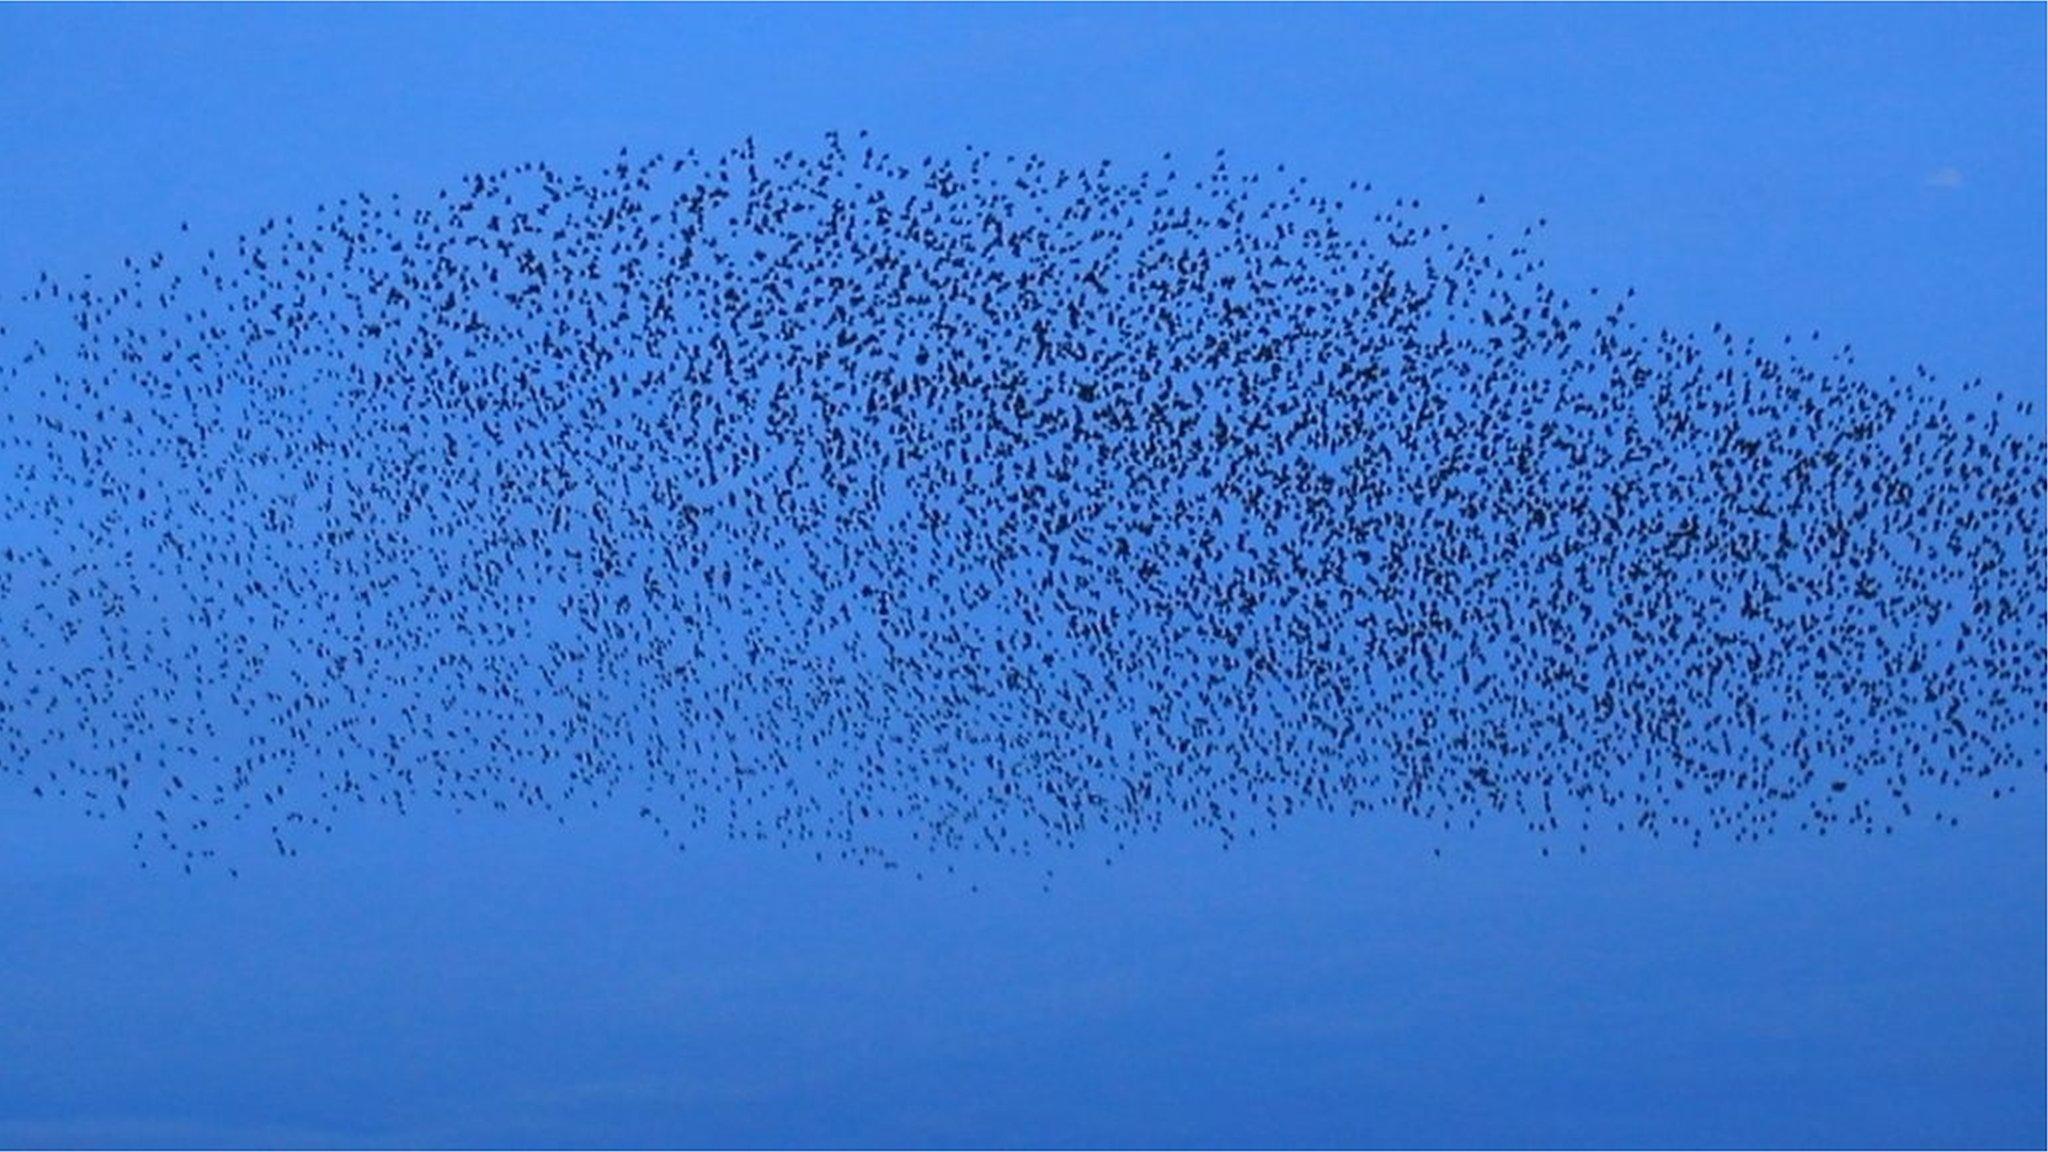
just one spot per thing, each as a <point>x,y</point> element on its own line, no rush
<point>1877,173</point>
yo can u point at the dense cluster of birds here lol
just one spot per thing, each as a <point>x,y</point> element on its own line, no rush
<point>978,503</point>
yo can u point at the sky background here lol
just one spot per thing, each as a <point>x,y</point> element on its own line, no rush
<point>1874,172</point>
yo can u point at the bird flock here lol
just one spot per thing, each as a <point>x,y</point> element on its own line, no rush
<point>977,503</point>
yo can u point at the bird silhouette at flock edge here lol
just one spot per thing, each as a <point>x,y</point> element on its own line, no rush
<point>977,503</point>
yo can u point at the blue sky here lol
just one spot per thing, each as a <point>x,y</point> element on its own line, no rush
<point>1876,173</point>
